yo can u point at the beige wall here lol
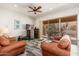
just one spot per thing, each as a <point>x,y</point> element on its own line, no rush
<point>7,18</point>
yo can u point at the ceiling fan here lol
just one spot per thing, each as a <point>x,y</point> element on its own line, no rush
<point>35,9</point>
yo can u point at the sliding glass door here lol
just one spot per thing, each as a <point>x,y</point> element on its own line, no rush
<point>61,26</point>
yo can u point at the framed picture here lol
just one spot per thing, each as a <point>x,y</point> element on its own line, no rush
<point>16,24</point>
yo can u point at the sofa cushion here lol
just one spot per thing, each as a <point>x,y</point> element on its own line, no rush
<point>4,41</point>
<point>64,42</point>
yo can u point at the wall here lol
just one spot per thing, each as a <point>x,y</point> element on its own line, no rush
<point>78,31</point>
<point>78,34</point>
<point>7,18</point>
<point>56,14</point>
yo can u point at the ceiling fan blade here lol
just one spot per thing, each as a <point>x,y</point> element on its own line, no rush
<point>39,7</point>
<point>30,11</point>
<point>31,7</point>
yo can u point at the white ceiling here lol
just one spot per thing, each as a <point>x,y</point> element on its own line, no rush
<point>23,7</point>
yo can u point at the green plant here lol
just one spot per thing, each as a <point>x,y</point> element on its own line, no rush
<point>53,30</point>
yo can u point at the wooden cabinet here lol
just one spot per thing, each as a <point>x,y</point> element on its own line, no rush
<point>29,34</point>
<point>36,33</point>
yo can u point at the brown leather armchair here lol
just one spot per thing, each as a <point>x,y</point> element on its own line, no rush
<point>13,49</point>
<point>52,49</point>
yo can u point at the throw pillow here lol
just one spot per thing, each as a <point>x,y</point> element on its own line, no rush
<point>64,42</point>
<point>5,35</point>
<point>4,41</point>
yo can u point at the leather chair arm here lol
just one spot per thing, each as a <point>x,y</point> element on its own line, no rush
<point>54,49</point>
<point>5,54</point>
<point>13,46</point>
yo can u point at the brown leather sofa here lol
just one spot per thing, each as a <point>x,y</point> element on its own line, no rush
<point>13,49</point>
<point>52,49</point>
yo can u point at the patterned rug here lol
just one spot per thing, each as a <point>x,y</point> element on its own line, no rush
<point>37,52</point>
<point>31,49</point>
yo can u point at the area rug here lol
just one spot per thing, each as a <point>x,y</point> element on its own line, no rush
<point>31,49</point>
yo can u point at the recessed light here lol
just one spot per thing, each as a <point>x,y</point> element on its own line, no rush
<point>15,5</point>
